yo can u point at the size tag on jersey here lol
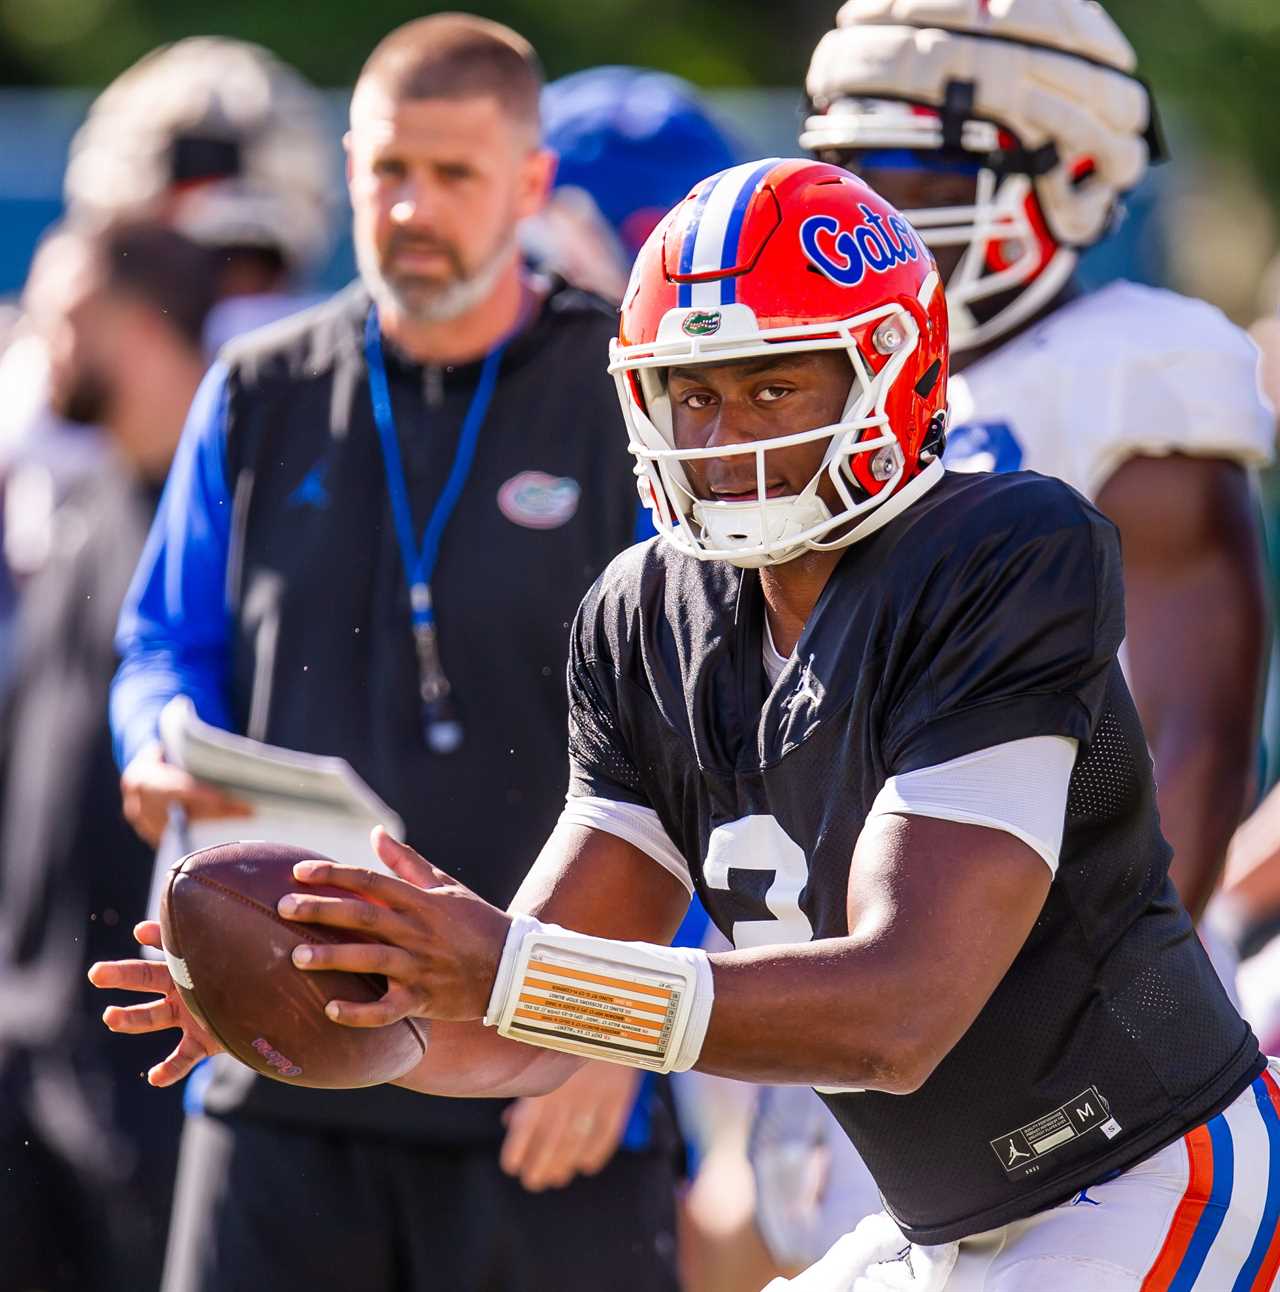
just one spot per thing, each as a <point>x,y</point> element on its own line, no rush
<point>1020,1151</point>
<point>592,1006</point>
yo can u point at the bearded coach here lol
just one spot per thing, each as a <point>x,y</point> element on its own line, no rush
<point>381,520</point>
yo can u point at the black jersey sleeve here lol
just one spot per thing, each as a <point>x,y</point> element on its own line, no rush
<point>1013,632</point>
<point>600,765</point>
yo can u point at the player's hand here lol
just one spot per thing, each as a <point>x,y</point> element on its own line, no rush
<point>152,976</point>
<point>573,1131</point>
<point>150,785</point>
<point>437,943</point>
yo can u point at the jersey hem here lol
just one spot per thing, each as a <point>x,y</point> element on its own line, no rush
<point>1223,1091</point>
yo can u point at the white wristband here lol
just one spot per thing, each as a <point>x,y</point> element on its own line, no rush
<point>632,1003</point>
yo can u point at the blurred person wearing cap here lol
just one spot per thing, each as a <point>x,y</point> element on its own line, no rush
<point>88,1164</point>
<point>629,144</point>
<point>225,143</point>
<point>378,527</point>
<point>1009,132</point>
<point>228,144</point>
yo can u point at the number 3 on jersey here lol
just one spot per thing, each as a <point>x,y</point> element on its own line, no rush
<point>759,843</point>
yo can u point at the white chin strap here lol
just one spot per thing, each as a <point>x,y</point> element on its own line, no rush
<point>744,528</point>
<point>749,527</point>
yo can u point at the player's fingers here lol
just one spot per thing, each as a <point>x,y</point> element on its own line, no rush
<point>409,865</point>
<point>152,1016</point>
<point>131,975</point>
<point>597,1149</point>
<point>383,889</point>
<point>147,932</point>
<point>549,1160</point>
<point>356,957</point>
<point>391,1008</point>
<point>521,1120</point>
<point>552,1168</point>
<point>178,1064</point>
<point>343,913</point>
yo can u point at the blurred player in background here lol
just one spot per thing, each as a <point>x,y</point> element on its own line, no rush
<point>1145,401</point>
<point>42,456</point>
<point>292,590</point>
<point>1250,908</point>
<point>87,1164</point>
<point>1008,132</point>
<point>221,140</point>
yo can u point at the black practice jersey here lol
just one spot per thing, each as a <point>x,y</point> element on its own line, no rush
<point>989,611</point>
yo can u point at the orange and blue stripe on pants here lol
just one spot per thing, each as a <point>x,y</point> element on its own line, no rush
<point>1233,1176</point>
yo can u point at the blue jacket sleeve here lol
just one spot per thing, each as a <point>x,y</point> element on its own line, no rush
<point>174,631</point>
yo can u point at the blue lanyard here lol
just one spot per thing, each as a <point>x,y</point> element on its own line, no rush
<point>420,562</point>
<point>441,722</point>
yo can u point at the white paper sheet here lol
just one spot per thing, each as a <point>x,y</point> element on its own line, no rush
<point>311,800</point>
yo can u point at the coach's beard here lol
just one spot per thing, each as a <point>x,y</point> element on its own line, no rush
<point>422,301</point>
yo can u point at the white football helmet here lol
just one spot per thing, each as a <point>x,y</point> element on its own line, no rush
<point>1040,95</point>
<point>219,138</point>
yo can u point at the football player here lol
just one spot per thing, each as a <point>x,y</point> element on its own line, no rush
<point>871,712</point>
<point>1008,132</point>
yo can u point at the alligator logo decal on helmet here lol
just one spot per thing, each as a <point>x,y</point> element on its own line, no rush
<point>702,323</point>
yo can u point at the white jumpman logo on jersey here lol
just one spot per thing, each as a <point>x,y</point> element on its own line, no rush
<point>809,688</point>
<point>1015,1153</point>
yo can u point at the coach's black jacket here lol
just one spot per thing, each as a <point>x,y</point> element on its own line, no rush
<point>323,656</point>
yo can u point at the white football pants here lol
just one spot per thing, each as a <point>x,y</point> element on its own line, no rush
<point>1202,1215</point>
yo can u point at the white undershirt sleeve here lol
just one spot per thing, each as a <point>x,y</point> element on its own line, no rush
<point>639,826</point>
<point>1019,787</point>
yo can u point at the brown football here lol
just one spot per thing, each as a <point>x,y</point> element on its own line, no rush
<point>230,954</point>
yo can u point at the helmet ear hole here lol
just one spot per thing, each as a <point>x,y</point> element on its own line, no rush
<point>924,387</point>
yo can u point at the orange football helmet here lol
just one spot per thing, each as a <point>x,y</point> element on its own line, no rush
<point>777,256</point>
